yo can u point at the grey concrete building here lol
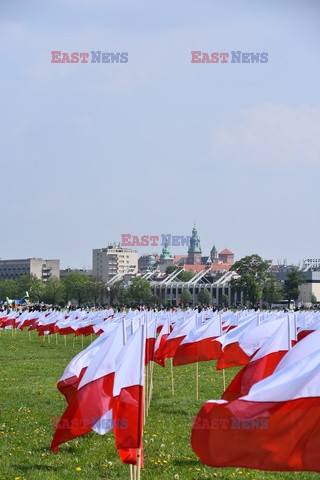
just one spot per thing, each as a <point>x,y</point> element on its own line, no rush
<point>113,262</point>
<point>42,269</point>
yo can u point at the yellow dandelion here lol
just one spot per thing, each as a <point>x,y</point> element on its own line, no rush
<point>78,469</point>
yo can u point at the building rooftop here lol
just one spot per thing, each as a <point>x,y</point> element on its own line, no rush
<point>226,252</point>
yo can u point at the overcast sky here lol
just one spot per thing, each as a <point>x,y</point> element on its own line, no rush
<point>91,151</point>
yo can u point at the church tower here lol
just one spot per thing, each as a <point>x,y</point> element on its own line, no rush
<point>214,255</point>
<point>194,250</point>
<point>166,257</point>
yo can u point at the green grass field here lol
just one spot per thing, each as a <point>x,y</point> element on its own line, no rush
<point>30,369</point>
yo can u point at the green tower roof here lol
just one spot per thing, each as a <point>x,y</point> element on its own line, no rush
<point>195,246</point>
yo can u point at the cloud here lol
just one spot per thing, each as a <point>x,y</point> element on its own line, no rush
<point>275,135</point>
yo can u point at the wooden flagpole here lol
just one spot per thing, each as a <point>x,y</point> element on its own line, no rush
<point>151,383</point>
<point>223,372</point>
<point>141,404</point>
<point>197,380</point>
<point>171,369</point>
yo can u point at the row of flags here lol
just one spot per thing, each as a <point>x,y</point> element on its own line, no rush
<point>258,422</point>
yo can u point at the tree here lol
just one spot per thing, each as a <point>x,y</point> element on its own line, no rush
<point>251,272</point>
<point>31,284</point>
<point>204,297</point>
<point>139,291</point>
<point>313,298</point>
<point>272,290</point>
<point>295,277</point>
<point>184,276</point>
<point>171,268</point>
<point>95,290</point>
<point>53,291</point>
<point>117,294</point>
<point>8,288</point>
<point>224,300</point>
<point>186,298</point>
<point>76,287</point>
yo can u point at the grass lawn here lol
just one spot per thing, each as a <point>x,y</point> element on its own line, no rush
<point>30,369</point>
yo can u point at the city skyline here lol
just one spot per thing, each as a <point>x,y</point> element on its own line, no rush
<point>90,151</point>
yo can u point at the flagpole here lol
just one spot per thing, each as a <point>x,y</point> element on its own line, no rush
<point>146,400</point>
<point>223,372</point>
<point>151,383</point>
<point>224,379</point>
<point>171,368</point>
<point>197,380</point>
<point>289,334</point>
<point>141,405</point>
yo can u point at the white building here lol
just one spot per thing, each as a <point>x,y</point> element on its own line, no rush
<point>112,260</point>
<point>42,269</point>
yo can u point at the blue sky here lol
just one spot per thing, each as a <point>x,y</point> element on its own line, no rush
<point>91,151</point>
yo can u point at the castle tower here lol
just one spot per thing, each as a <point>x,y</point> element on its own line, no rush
<point>194,250</point>
<point>166,257</point>
<point>214,255</point>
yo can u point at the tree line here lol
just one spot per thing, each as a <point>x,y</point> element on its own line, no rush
<point>77,288</point>
<point>257,282</point>
<point>254,279</point>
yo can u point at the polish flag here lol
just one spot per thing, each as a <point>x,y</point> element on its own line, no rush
<point>161,341</point>
<point>276,426</point>
<point>68,383</point>
<point>128,401</point>
<point>94,394</point>
<point>198,346</point>
<point>151,338</point>
<point>232,354</point>
<point>175,338</point>
<point>264,361</point>
<point>309,327</point>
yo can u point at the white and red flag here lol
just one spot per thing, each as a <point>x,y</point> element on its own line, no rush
<point>198,346</point>
<point>94,394</point>
<point>69,382</point>
<point>232,354</point>
<point>128,398</point>
<point>276,426</point>
<point>173,340</point>
<point>265,360</point>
